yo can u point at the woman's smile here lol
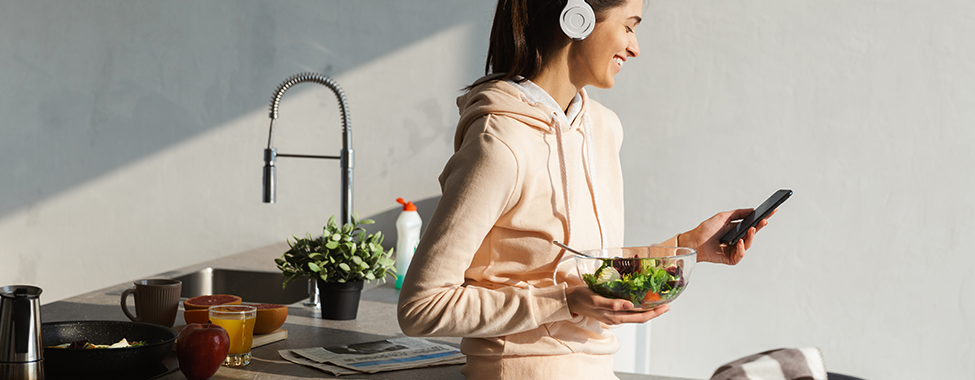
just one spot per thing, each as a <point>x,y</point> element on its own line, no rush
<point>596,60</point>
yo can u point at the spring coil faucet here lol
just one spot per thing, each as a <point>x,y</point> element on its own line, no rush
<point>345,156</point>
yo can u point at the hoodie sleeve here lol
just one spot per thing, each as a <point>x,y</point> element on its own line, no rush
<point>478,183</point>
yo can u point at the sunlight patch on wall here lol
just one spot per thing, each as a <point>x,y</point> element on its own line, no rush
<point>199,199</point>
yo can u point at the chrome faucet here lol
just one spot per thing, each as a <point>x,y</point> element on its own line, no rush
<point>345,157</point>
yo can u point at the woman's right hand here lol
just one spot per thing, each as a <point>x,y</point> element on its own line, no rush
<point>583,301</point>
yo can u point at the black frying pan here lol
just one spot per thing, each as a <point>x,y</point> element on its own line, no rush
<point>127,362</point>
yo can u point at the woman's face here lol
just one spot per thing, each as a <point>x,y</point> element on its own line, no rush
<point>596,60</point>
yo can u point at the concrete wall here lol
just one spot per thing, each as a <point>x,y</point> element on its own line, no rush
<point>131,138</point>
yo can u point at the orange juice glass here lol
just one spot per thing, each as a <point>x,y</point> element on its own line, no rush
<point>239,321</point>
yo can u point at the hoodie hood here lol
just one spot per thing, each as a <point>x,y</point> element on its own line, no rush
<point>500,98</point>
<point>492,96</point>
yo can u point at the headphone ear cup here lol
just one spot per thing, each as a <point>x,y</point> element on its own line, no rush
<point>577,19</point>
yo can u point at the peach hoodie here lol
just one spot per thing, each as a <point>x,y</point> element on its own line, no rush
<point>486,269</point>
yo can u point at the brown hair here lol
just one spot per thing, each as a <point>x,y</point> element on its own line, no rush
<point>525,32</point>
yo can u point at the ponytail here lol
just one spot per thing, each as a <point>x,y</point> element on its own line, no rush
<point>523,34</point>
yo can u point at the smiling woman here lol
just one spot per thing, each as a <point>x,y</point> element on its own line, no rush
<point>537,160</point>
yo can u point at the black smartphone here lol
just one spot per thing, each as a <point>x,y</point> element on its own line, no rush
<point>741,228</point>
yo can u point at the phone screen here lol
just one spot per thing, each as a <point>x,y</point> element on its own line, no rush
<point>740,229</point>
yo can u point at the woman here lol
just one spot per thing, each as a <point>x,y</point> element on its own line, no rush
<point>536,160</point>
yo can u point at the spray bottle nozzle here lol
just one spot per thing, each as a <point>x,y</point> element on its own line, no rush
<point>407,206</point>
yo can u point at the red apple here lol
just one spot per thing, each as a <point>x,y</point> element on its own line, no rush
<point>201,349</point>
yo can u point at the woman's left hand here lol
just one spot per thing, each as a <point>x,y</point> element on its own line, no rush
<point>704,238</point>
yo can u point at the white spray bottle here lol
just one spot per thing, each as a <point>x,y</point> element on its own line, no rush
<point>407,237</point>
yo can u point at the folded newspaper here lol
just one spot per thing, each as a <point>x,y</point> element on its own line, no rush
<point>371,357</point>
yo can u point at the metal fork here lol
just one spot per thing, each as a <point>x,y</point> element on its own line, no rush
<point>572,250</point>
<point>626,266</point>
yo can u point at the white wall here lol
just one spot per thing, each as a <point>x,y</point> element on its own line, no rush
<point>131,138</point>
<point>864,109</point>
<point>133,132</point>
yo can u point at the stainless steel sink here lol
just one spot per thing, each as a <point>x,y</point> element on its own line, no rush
<point>252,286</point>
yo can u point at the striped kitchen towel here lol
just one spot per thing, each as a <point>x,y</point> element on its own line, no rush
<point>779,364</point>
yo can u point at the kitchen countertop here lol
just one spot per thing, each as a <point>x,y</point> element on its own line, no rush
<point>376,321</point>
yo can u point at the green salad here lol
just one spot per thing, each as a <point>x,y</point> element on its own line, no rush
<point>642,281</point>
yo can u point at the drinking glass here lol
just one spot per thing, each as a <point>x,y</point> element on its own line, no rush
<point>239,321</point>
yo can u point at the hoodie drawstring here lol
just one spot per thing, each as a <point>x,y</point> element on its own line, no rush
<point>565,179</point>
<point>590,164</point>
<point>590,178</point>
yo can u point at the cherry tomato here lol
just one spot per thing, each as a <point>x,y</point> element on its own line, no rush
<point>651,297</point>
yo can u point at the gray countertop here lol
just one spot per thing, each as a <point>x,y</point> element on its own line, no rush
<point>376,321</point>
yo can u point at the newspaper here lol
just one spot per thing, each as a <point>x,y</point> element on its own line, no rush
<point>379,356</point>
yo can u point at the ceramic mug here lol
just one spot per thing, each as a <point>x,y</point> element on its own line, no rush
<point>156,301</point>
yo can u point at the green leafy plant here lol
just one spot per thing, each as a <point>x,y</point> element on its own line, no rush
<point>342,254</point>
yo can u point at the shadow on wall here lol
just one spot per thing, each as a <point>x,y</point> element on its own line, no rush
<point>386,220</point>
<point>137,80</point>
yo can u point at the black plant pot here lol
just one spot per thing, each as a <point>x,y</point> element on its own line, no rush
<point>339,301</point>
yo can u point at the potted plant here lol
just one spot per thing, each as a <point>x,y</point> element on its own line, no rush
<point>341,260</point>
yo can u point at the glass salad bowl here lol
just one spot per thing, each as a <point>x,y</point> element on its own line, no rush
<point>647,276</point>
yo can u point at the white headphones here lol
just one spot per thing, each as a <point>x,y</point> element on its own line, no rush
<point>577,19</point>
